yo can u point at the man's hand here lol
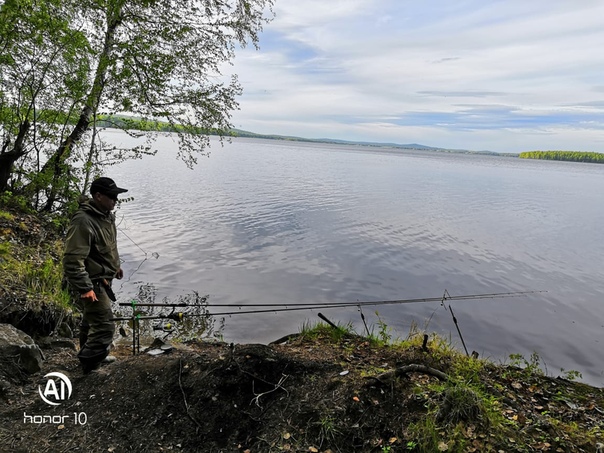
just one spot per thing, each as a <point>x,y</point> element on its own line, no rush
<point>119,274</point>
<point>90,296</point>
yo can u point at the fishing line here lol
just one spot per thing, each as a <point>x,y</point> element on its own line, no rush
<point>154,255</point>
<point>277,308</point>
<point>312,305</point>
<point>131,240</point>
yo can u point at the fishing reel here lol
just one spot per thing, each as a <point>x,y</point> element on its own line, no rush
<point>167,327</point>
<point>166,323</point>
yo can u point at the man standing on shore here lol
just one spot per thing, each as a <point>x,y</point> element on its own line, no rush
<point>90,262</point>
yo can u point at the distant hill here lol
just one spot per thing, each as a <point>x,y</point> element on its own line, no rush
<point>409,146</point>
<point>127,122</point>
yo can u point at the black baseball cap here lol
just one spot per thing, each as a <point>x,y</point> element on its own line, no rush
<point>106,186</point>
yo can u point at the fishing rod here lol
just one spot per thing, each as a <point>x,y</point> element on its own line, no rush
<point>340,304</point>
<point>178,316</point>
<point>282,307</point>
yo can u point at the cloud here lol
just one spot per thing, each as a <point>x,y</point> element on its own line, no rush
<point>335,69</point>
<point>597,104</point>
<point>444,60</point>
<point>462,94</point>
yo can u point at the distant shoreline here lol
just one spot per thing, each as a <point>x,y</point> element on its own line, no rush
<point>115,121</point>
<point>122,122</point>
<point>413,146</point>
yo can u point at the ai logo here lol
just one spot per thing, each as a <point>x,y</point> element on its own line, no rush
<point>56,392</point>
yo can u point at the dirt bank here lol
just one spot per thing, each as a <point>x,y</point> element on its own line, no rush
<point>314,393</point>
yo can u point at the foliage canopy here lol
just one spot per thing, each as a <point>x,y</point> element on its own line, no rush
<point>574,156</point>
<point>66,64</point>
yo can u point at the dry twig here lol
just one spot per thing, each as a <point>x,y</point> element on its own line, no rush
<point>184,397</point>
<point>413,368</point>
<point>277,387</point>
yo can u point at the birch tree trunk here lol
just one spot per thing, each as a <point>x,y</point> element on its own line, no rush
<point>55,166</point>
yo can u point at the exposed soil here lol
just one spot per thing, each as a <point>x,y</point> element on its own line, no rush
<point>304,395</point>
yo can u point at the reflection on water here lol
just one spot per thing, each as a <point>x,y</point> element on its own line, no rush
<point>273,222</point>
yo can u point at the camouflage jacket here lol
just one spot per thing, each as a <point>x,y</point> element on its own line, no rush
<point>90,248</point>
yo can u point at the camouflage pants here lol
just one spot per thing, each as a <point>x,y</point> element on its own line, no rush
<point>97,329</point>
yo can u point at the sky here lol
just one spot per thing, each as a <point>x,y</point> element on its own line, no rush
<point>503,76</point>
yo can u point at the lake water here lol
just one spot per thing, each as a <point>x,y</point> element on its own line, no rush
<point>264,221</point>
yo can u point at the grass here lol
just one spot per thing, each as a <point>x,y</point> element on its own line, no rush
<point>460,403</point>
<point>471,411</point>
<point>5,250</point>
<point>327,429</point>
<point>6,216</point>
<point>383,336</point>
<point>35,271</point>
<point>530,366</point>
<point>31,275</point>
<point>314,331</point>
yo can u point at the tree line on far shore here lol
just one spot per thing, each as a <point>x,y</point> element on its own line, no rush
<point>574,156</point>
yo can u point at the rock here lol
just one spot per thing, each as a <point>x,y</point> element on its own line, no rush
<point>18,346</point>
<point>4,387</point>
<point>65,330</point>
<point>56,343</point>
